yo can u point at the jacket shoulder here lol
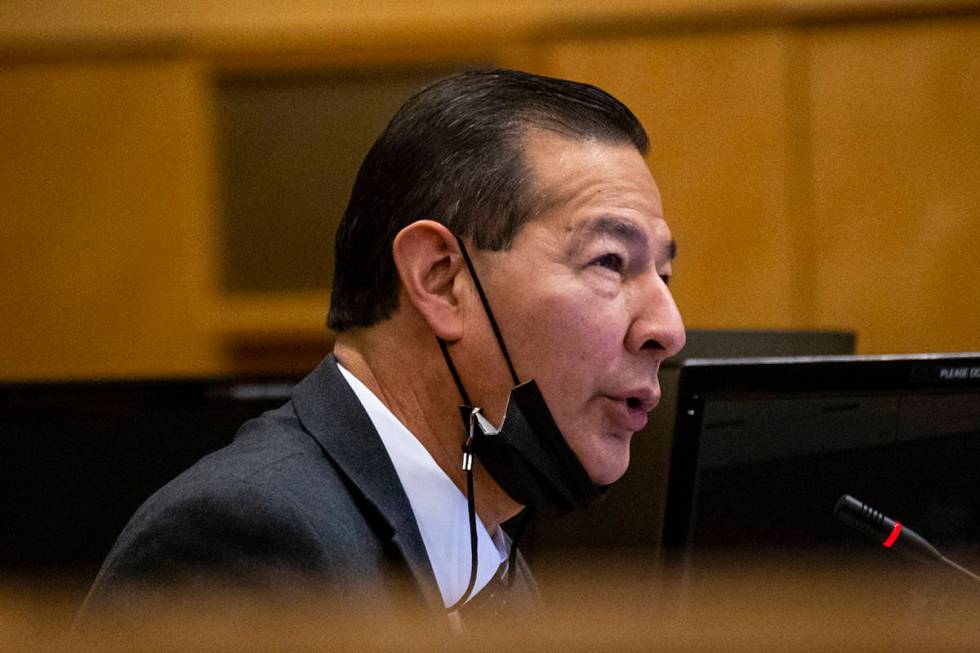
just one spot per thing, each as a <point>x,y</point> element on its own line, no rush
<point>268,512</point>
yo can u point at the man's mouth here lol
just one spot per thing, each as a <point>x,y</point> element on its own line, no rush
<point>630,412</point>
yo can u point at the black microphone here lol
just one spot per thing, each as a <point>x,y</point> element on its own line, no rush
<point>892,534</point>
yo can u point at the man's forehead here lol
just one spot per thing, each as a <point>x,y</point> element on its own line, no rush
<point>556,161</point>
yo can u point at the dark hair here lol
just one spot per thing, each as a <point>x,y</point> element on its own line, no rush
<point>453,154</point>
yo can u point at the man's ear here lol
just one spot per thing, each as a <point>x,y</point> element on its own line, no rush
<point>428,260</point>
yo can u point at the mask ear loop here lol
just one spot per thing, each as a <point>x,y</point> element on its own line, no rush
<point>452,370</point>
<point>471,510</point>
<point>468,468</point>
<point>528,515</point>
<point>486,309</point>
<point>468,445</point>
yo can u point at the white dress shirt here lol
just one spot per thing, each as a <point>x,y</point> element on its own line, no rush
<point>439,506</point>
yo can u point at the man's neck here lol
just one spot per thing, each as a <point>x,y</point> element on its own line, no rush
<point>407,374</point>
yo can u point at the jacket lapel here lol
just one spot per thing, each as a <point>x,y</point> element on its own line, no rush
<point>331,412</point>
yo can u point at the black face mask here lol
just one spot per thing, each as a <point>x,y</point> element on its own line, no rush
<point>527,455</point>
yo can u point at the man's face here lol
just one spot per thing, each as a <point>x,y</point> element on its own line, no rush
<point>582,299</point>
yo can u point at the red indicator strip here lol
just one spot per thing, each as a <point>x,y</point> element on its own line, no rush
<point>894,536</point>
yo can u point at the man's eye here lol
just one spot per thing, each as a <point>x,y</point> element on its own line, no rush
<point>666,279</point>
<point>612,262</point>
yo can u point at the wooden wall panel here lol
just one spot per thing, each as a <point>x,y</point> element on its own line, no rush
<point>819,168</point>
<point>105,191</point>
<point>896,124</point>
<point>717,108</point>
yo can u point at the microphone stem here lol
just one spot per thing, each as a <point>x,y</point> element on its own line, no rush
<point>959,568</point>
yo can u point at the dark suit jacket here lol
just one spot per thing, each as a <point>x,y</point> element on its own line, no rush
<point>305,497</point>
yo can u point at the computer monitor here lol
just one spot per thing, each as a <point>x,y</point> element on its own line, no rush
<point>763,449</point>
<point>78,458</point>
<point>627,522</point>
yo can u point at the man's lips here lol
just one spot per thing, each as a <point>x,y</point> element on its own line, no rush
<point>643,399</point>
<point>629,411</point>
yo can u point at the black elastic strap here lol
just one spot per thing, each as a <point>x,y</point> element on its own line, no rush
<point>452,370</point>
<point>470,503</point>
<point>471,509</point>
<point>486,308</point>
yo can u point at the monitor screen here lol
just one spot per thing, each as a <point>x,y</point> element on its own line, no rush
<point>764,448</point>
<point>624,528</point>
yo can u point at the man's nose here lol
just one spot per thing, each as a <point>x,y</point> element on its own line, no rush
<point>657,327</point>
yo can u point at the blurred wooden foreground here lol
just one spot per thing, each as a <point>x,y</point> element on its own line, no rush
<point>730,607</point>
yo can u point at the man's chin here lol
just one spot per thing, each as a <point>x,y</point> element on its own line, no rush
<point>610,468</point>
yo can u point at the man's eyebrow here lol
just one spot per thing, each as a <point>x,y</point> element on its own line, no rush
<point>617,228</point>
<point>622,230</point>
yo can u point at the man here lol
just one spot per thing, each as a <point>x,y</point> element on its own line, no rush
<point>504,228</point>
